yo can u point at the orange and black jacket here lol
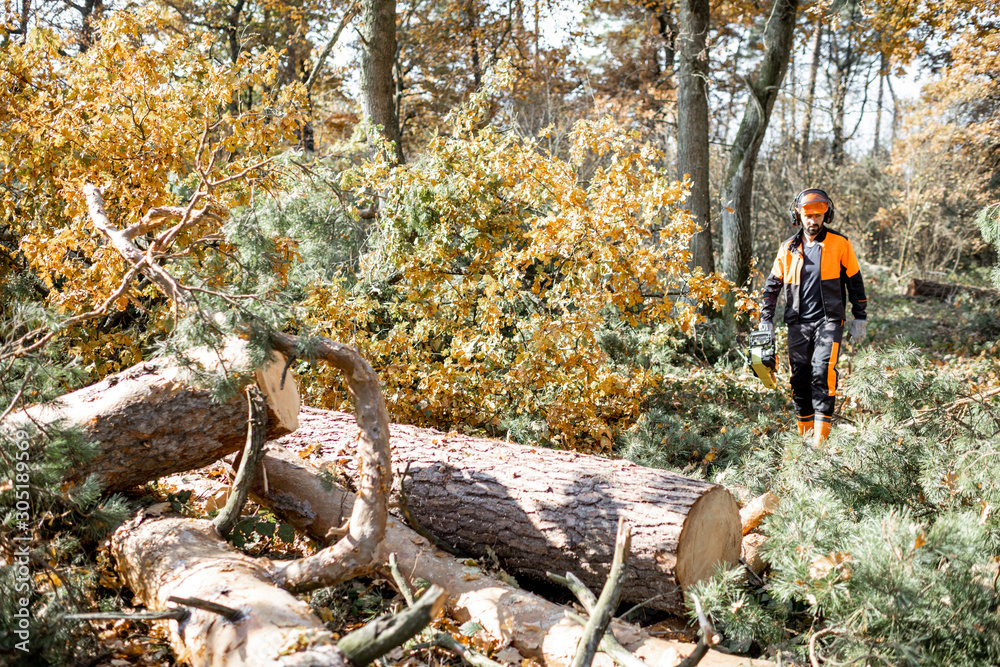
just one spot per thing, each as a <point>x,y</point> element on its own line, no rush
<point>840,278</point>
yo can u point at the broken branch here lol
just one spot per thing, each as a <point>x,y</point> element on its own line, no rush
<point>383,634</point>
<point>608,602</point>
<point>249,462</point>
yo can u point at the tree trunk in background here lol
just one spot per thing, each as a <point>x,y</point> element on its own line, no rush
<point>895,112</point>
<point>543,510</point>
<point>666,26</point>
<point>883,70</point>
<point>817,42</point>
<point>90,13</point>
<point>378,54</point>
<point>234,33</point>
<point>477,72</point>
<point>738,188</point>
<point>692,124</point>
<point>844,56</point>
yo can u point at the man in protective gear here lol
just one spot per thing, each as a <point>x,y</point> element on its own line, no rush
<point>819,271</point>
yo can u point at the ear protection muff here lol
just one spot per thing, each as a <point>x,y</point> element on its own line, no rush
<point>793,210</point>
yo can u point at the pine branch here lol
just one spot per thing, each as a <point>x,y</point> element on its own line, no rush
<point>946,409</point>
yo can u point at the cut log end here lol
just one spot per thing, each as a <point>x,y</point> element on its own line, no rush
<point>711,536</point>
<point>280,388</point>
<point>753,514</point>
<point>276,382</point>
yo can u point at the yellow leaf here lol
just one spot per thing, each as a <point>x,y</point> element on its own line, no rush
<point>824,565</point>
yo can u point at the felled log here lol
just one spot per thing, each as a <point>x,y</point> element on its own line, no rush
<point>306,497</point>
<point>149,421</point>
<point>751,554</point>
<point>543,510</point>
<point>259,624</point>
<point>943,291</point>
<point>186,558</point>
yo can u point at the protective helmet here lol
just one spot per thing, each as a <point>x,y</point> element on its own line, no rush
<point>814,199</point>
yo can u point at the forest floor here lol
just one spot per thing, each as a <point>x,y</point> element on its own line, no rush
<point>710,412</point>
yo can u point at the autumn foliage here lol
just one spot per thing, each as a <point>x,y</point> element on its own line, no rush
<point>154,123</point>
<point>498,267</point>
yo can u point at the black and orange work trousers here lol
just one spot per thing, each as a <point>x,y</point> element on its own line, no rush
<point>813,348</point>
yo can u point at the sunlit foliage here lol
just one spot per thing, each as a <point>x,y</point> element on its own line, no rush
<point>495,268</point>
<point>146,115</point>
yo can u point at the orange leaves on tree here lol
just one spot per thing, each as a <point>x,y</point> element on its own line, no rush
<point>145,113</point>
<point>497,269</point>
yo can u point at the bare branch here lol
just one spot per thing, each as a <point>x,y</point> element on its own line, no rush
<point>160,214</point>
<point>321,58</point>
<point>606,604</point>
<point>383,634</point>
<point>236,177</point>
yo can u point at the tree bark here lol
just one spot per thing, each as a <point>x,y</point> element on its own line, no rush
<point>738,188</point>
<point>308,499</point>
<point>378,54</point>
<point>692,124</point>
<point>817,42</point>
<point>542,510</point>
<point>149,421</point>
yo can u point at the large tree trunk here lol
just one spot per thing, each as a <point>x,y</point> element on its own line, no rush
<point>537,628</point>
<point>737,249</point>
<point>543,510</point>
<point>692,124</point>
<point>149,421</point>
<point>844,55</point>
<point>187,558</point>
<point>378,54</point>
<point>817,42</point>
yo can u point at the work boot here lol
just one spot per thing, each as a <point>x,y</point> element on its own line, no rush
<point>805,424</point>
<point>821,429</point>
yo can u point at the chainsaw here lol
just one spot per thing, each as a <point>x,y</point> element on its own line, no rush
<point>760,357</point>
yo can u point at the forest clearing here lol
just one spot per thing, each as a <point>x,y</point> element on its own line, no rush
<point>409,333</point>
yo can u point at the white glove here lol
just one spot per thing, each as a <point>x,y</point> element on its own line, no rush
<point>858,330</point>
